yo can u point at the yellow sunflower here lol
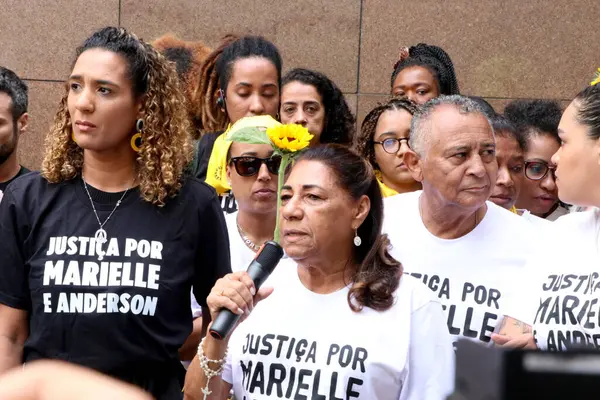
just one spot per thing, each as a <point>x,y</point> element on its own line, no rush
<point>596,78</point>
<point>289,138</point>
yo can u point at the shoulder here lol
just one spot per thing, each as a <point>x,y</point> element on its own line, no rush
<point>31,184</point>
<point>392,202</point>
<point>505,220</point>
<point>575,224</point>
<point>412,291</point>
<point>398,206</point>
<point>197,191</point>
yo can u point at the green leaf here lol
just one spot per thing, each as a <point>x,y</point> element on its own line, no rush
<point>251,135</point>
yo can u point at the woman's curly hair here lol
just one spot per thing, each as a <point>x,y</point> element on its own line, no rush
<point>339,126</point>
<point>166,144</point>
<point>363,143</point>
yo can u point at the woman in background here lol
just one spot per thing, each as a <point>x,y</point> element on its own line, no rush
<point>537,121</point>
<point>241,78</point>
<point>423,72</point>
<point>383,140</point>
<point>311,99</point>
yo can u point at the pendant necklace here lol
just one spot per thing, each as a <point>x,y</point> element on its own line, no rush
<point>101,236</point>
<point>247,240</point>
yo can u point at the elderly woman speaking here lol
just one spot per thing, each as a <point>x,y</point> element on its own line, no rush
<point>339,320</point>
<point>468,250</point>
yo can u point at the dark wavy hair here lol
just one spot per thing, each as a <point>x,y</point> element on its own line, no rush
<point>378,273</point>
<point>435,59</point>
<point>339,126</point>
<point>534,117</point>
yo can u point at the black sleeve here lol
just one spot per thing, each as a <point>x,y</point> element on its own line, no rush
<point>14,228</point>
<point>202,151</point>
<point>212,259</point>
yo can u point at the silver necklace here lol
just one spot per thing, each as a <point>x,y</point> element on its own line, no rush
<point>101,236</point>
<point>247,240</point>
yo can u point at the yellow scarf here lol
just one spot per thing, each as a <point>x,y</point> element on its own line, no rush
<point>216,172</point>
<point>386,191</point>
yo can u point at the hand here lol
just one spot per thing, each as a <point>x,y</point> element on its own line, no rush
<point>235,292</point>
<point>523,341</point>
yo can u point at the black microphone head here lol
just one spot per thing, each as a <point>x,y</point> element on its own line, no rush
<point>269,255</point>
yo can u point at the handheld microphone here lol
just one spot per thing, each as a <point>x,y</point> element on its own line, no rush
<point>259,270</point>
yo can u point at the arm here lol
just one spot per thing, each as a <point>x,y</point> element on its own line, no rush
<point>195,380</point>
<point>13,333</point>
<point>14,286</point>
<point>55,380</point>
<point>431,356</point>
<point>233,292</point>
<point>190,347</point>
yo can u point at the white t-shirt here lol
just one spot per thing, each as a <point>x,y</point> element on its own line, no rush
<point>241,255</point>
<point>300,344</point>
<point>473,276</point>
<point>534,219</point>
<point>565,305</point>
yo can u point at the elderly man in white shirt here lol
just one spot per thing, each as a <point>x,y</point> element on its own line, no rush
<point>466,249</point>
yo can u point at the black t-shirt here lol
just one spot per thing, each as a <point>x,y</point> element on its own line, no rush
<point>127,314</point>
<point>203,150</point>
<point>4,185</point>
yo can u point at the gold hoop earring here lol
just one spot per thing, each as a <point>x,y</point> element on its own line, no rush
<point>136,140</point>
<point>73,136</point>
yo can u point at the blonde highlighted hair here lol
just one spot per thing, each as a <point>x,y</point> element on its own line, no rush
<point>166,148</point>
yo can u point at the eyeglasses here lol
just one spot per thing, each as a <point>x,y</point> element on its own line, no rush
<point>537,170</point>
<point>391,145</point>
<point>249,166</point>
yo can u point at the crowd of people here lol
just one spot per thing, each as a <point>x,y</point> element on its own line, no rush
<point>440,220</point>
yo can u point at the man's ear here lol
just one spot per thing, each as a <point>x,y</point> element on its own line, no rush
<point>22,123</point>
<point>414,164</point>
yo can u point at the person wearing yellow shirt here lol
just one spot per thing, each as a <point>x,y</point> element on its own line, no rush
<point>383,140</point>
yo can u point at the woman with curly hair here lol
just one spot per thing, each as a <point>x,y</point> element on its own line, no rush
<point>311,99</point>
<point>383,140</point>
<point>100,249</point>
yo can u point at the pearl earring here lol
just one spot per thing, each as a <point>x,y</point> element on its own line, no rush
<point>357,239</point>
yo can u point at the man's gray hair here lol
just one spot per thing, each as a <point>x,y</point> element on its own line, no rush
<point>420,124</point>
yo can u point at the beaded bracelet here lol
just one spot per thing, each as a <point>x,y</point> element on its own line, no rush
<point>208,372</point>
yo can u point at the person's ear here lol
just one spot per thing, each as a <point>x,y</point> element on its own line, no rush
<point>414,164</point>
<point>22,123</point>
<point>362,210</point>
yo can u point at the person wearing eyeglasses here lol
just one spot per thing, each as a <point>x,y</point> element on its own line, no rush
<point>537,121</point>
<point>383,140</point>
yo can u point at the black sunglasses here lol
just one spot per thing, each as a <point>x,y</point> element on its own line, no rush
<point>249,166</point>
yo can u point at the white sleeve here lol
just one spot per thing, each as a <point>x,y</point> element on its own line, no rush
<point>196,309</point>
<point>431,359</point>
<point>227,374</point>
